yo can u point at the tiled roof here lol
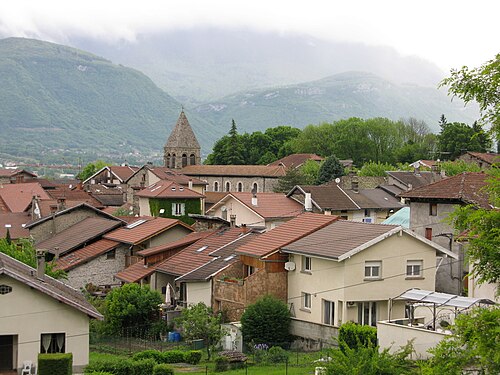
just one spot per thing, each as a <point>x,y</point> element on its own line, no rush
<point>466,187</point>
<point>168,174</point>
<point>17,197</point>
<point>168,189</point>
<point>4,172</point>
<point>183,242</point>
<point>198,253</point>
<point>413,179</point>
<point>296,160</point>
<point>234,170</point>
<point>182,135</point>
<point>488,157</point>
<point>222,259</point>
<point>338,238</point>
<point>83,232</point>
<point>128,207</point>
<point>135,272</point>
<point>49,286</point>
<point>147,228</point>
<point>73,195</point>
<point>47,207</point>
<point>374,198</point>
<point>292,230</point>
<point>391,189</point>
<point>327,196</point>
<point>123,172</point>
<point>269,205</point>
<point>83,255</point>
<point>16,222</point>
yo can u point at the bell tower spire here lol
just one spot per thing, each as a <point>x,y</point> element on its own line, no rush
<point>182,147</point>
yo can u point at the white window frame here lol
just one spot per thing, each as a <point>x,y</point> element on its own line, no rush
<point>178,209</point>
<point>412,265</point>
<point>306,263</point>
<point>306,301</point>
<point>328,312</point>
<point>371,266</point>
<point>371,318</point>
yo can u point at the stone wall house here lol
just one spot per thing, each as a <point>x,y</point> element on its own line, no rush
<point>483,159</point>
<point>16,176</point>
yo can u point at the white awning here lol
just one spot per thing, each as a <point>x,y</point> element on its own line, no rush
<point>442,299</point>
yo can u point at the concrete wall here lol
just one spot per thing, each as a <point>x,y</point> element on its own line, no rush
<point>312,336</point>
<point>199,292</point>
<point>394,336</point>
<point>28,313</point>
<point>243,214</point>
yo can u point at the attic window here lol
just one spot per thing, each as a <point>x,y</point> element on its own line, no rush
<point>5,289</point>
<point>229,258</point>
<point>201,249</point>
<point>135,224</point>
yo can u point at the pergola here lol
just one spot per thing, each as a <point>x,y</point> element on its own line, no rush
<point>437,299</point>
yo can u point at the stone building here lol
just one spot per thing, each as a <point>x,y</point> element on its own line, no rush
<point>182,147</point>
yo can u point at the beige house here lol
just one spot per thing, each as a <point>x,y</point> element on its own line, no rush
<point>40,315</point>
<point>348,271</point>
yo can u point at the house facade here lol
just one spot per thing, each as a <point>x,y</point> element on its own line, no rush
<point>484,160</point>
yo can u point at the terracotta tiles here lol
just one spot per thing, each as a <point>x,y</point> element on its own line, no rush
<point>135,272</point>
<point>183,242</point>
<point>168,189</point>
<point>234,170</point>
<point>17,197</point>
<point>77,257</point>
<point>296,160</point>
<point>16,221</point>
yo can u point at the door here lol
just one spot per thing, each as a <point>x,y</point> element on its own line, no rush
<point>6,352</point>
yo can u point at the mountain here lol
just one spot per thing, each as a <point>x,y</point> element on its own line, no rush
<point>198,64</point>
<point>352,94</point>
<point>58,102</point>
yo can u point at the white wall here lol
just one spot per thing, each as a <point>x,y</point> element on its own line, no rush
<point>199,292</point>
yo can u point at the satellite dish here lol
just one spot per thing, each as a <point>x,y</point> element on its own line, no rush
<point>289,266</point>
<point>337,180</point>
<point>223,208</point>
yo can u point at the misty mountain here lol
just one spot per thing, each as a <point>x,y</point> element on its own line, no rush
<point>352,94</point>
<point>57,99</point>
<point>198,64</point>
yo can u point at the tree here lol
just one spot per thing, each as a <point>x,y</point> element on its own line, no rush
<point>330,170</point>
<point>234,149</point>
<point>452,168</point>
<point>267,321</point>
<point>375,169</point>
<point>292,177</point>
<point>455,138</point>
<point>310,169</point>
<point>480,85</point>
<point>199,322</point>
<point>473,345</point>
<point>132,307</point>
<point>90,169</point>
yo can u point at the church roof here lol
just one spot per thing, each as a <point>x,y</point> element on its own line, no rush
<point>182,136</point>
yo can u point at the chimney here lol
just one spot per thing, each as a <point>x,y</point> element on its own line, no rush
<point>232,219</point>
<point>417,170</point>
<point>328,211</point>
<point>61,203</point>
<point>190,184</point>
<point>355,185</point>
<point>40,261</point>
<point>254,200</point>
<point>35,208</point>
<point>56,252</point>
<point>308,202</point>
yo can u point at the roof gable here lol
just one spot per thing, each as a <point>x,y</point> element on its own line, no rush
<point>168,189</point>
<point>18,197</point>
<point>182,135</point>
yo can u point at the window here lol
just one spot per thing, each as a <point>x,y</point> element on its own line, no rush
<point>306,264</point>
<point>428,233</point>
<point>249,270</point>
<point>367,313</point>
<point>255,187</point>
<point>306,300</point>
<point>167,161</point>
<point>52,343</point>
<point>328,312</point>
<point>373,269</point>
<point>111,254</point>
<point>228,186</point>
<point>367,212</point>
<point>4,289</point>
<point>178,209</point>
<point>240,187</point>
<point>216,186</point>
<point>433,209</point>
<point>192,159</point>
<point>173,165</point>
<point>184,160</point>
<point>414,268</point>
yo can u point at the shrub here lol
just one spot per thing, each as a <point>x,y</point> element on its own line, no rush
<point>148,354</point>
<point>172,356</point>
<point>100,373</point>
<point>163,369</point>
<point>277,355</point>
<point>143,367</point>
<point>221,364</point>
<point>55,364</point>
<point>355,335</point>
<point>116,366</point>
<point>193,357</point>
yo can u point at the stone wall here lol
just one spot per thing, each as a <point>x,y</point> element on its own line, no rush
<point>312,336</point>
<point>264,184</point>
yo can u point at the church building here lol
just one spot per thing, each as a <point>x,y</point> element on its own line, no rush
<point>182,147</point>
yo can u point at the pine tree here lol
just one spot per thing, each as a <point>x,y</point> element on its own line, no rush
<point>330,169</point>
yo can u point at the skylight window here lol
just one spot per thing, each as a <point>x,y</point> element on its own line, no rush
<point>135,224</point>
<point>229,258</point>
<point>201,249</point>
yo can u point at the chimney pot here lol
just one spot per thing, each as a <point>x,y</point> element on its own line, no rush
<point>40,269</point>
<point>232,219</point>
<point>254,200</point>
<point>190,184</point>
<point>308,202</point>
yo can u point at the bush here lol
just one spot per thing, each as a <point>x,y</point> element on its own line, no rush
<point>277,355</point>
<point>143,367</point>
<point>172,356</point>
<point>163,369</point>
<point>193,357</point>
<point>355,335</point>
<point>221,364</point>
<point>55,364</point>
<point>100,373</point>
<point>148,354</point>
<point>116,366</point>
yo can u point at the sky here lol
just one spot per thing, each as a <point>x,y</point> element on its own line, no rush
<point>449,33</point>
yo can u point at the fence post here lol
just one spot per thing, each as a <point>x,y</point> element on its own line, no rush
<point>206,370</point>
<point>286,366</point>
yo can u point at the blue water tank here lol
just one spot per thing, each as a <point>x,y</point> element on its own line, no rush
<point>171,336</point>
<point>177,336</point>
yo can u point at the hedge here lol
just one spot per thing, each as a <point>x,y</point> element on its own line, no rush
<point>172,356</point>
<point>100,373</point>
<point>355,335</point>
<point>148,354</point>
<point>192,357</point>
<point>163,369</point>
<point>116,366</point>
<point>55,364</point>
<point>143,367</point>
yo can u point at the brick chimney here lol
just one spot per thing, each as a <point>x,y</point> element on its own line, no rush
<point>40,264</point>
<point>232,220</point>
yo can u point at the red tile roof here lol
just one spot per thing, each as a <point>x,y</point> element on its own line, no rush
<point>292,230</point>
<point>16,222</point>
<point>183,242</point>
<point>5,172</point>
<point>135,272</point>
<point>197,254</point>
<point>147,228</point>
<point>85,254</point>
<point>168,189</point>
<point>269,205</point>
<point>467,187</point>
<point>326,196</point>
<point>488,157</point>
<point>168,174</point>
<point>17,197</point>
<point>234,170</point>
<point>296,160</point>
<point>123,172</point>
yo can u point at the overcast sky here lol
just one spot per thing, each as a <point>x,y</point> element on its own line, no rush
<point>450,33</point>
